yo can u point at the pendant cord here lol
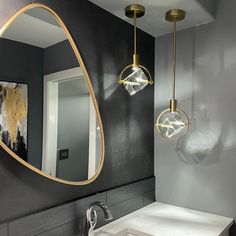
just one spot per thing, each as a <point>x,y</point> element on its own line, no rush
<point>174,58</point>
<point>135,39</point>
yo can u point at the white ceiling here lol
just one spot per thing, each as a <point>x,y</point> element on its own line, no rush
<point>198,12</point>
<point>34,31</point>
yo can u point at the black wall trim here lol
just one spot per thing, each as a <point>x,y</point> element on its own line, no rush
<point>69,219</point>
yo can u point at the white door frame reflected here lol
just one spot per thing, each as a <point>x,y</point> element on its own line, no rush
<point>92,161</point>
<point>50,122</point>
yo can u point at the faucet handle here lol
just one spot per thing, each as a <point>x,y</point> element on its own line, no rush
<point>92,218</point>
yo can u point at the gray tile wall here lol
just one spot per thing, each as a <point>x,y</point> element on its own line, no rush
<point>69,219</point>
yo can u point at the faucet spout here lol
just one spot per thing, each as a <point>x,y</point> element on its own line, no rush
<point>104,208</point>
<point>91,219</point>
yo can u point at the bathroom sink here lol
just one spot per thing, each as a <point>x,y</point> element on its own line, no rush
<point>124,232</point>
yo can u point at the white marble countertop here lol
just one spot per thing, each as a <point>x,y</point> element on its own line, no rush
<point>166,220</point>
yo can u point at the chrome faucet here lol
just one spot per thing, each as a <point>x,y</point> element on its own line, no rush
<point>91,216</point>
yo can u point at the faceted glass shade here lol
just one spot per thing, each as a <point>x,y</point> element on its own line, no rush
<point>135,81</point>
<point>172,125</point>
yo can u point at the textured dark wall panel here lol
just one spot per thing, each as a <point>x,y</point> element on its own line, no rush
<point>105,43</point>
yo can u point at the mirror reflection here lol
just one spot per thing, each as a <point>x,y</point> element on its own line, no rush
<point>47,113</point>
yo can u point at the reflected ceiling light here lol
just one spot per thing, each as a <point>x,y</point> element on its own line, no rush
<point>135,77</point>
<point>173,122</point>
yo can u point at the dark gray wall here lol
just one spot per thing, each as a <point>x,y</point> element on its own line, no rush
<point>24,63</point>
<point>200,168</point>
<point>105,43</point>
<point>59,57</point>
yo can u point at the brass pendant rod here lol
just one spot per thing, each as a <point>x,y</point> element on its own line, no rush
<point>174,58</point>
<point>174,16</point>
<point>135,34</point>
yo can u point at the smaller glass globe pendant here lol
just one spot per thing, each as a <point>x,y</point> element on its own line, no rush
<point>135,77</point>
<point>173,122</point>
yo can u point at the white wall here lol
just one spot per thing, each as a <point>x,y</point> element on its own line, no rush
<point>199,171</point>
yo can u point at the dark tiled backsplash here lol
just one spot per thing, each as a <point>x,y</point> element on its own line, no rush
<point>69,219</point>
<point>4,230</point>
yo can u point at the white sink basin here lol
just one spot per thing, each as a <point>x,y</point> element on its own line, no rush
<point>124,232</point>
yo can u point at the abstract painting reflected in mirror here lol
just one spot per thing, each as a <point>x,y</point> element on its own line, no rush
<point>50,121</point>
<point>13,116</point>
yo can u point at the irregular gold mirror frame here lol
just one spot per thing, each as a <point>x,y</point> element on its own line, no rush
<point>86,76</point>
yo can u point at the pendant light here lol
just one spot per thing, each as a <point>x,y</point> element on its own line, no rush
<point>173,122</point>
<point>135,77</point>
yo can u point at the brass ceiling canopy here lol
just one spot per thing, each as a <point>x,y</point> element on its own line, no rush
<point>135,77</point>
<point>135,10</point>
<point>173,122</point>
<point>175,15</point>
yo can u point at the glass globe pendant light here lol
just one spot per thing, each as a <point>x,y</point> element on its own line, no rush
<point>173,122</point>
<point>135,77</point>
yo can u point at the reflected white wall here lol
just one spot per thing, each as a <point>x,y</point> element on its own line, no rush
<point>199,171</point>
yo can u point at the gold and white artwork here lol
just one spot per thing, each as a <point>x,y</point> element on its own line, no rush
<point>13,117</point>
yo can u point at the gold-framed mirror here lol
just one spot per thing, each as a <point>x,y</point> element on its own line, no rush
<point>49,116</point>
